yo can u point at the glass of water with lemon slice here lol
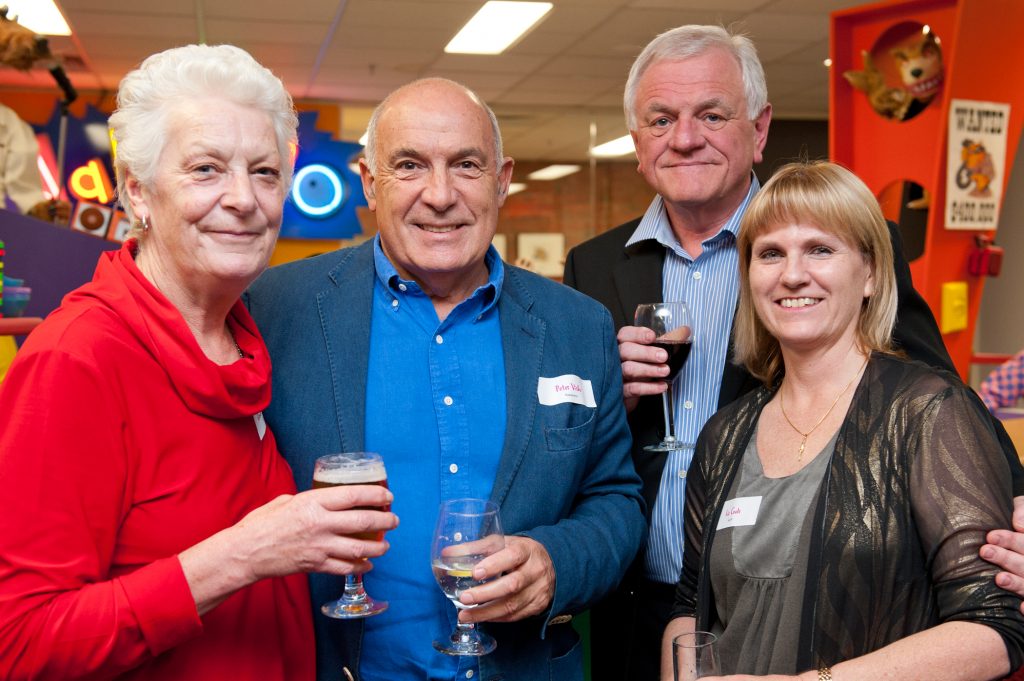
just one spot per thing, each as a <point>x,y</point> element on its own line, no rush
<point>468,530</point>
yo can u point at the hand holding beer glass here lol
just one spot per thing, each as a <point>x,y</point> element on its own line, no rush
<point>468,530</point>
<point>353,468</point>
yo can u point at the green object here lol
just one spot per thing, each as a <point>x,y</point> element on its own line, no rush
<point>582,625</point>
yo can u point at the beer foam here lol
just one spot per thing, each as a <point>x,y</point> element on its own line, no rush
<point>363,475</point>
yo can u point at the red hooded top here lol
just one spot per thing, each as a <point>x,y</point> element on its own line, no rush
<point>122,444</point>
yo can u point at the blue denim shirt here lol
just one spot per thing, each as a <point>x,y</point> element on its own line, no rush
<point>435,411</point>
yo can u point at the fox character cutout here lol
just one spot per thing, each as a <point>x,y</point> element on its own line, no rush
<point>921,68</point>
<point>890,102</point>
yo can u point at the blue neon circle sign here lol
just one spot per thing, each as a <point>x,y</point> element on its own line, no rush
<point>318,190</point>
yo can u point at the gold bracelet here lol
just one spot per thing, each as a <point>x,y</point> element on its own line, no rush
<point>825,673</point>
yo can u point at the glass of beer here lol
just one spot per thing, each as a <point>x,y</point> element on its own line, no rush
<point>674,328</point>
<point>353,468</point>
<point>468,530</point>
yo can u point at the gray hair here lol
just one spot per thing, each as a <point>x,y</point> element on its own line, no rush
<point>151,92</point>
<point>691,41</point>
<point>371,127</point>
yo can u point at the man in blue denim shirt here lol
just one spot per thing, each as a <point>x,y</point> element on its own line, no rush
<point>471,378</point>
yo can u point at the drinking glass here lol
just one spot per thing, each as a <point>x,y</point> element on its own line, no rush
<point>468,530</point>
<point>353,468</point>
<point>674,328</point>
<point>695,655</point>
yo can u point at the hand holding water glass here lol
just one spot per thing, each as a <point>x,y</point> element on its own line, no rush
<point>468,530</point>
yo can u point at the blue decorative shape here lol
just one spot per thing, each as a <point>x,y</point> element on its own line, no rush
<point>325,194</point>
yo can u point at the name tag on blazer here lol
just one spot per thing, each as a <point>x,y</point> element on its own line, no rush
<point>565,388</point>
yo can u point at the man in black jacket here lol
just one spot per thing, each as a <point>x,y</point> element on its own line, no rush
<point>696,105</point>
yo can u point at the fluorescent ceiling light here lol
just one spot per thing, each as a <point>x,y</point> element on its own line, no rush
<point>553,172</point>
<point>496,26</point>
<point>39,16</point>
<point>516,187</point>
<point>616,147</point>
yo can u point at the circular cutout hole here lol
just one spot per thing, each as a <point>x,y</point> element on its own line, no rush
<point>903,73</point>
<point>906,203</point>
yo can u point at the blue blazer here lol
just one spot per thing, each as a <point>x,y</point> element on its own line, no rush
<point>564,478</point>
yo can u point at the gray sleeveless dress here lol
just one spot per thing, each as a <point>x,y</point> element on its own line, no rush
<point>758,571</point>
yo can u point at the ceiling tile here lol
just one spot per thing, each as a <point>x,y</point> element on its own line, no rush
<point>249,31</point>
<point>488,63</point>
<point>446,16</point>
<point>107,26</point>
<point>267,10</point>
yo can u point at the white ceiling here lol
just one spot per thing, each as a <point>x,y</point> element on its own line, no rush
<point>547,89</point>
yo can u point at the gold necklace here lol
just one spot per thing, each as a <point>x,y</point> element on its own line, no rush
<point>803,442</point>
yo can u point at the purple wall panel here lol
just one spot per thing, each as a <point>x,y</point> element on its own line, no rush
<point>52,260</point>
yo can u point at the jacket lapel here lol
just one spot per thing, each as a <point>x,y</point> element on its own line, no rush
<point>346,307</point>
<point>522,339</point>
<point>638,278</point>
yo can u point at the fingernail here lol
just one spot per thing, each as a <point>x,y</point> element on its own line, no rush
<point>479,573</point>
<point>987,553</point>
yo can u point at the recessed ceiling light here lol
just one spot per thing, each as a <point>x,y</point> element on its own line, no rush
<point>496,26</point>
<point>516,187</point>
<point>827,63</point>
<point>40,16</point>
<point>553,172</point>
<point>619,146</point>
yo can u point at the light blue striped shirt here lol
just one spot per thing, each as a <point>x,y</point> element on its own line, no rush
<point>710,286</point>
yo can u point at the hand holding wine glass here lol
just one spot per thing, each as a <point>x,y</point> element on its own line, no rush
<point>468,531</point>
<point>673,328</point>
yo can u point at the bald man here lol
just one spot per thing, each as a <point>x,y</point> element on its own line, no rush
<point>472,378</point>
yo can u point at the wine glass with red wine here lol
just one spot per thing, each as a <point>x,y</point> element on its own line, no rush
<point>673,326</point>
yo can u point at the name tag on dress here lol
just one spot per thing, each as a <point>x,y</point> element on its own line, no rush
<point>739,512</point>
<point>261,424</point>
<point>565,388</point>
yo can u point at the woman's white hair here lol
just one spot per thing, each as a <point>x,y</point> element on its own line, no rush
<point>691,41</point>
<point>150,93</point>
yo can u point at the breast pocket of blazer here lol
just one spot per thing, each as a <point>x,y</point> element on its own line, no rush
<point>577,436</point>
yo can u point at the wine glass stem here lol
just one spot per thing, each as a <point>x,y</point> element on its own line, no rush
<point>465,630</point>
<point>354,592</point>
<point>670,421</point>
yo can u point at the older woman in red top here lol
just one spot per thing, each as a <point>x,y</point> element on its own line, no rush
<point>149,527</point>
